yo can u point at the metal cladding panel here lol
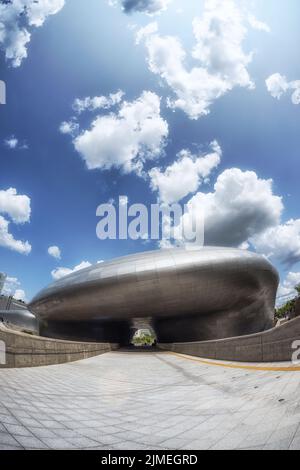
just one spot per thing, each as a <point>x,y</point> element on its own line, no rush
<point>20,319</point>
<point>163,284</point>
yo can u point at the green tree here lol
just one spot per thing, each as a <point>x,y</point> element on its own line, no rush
<point>143,339</point>
<point>289,307</point>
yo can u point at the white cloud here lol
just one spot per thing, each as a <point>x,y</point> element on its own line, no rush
<point>278,85</point>
<point>11,142</point>
<point>8,241</point>
<point>125,139</point>
<point>243,211</point>
<point>69,127</point>
<point>296,94</point>
<point>151,7</point>
<point>281,243</point>
<point>241,206</point>
<point>287,288</point>
<point>12,288</point>
<point>219,34</point>
<point>185,175</point>
<point>244,246</point>
<point>10,285</point>
<point>97,102</point>
<point>259,25</point>
<point>15,205</point>
<point>20,295</point>
<point>38,11</point>
<point>62,272</point>
<point>17,19</point>
<point>146,31</point>
<point>55,252</point>
<point>14,144</point>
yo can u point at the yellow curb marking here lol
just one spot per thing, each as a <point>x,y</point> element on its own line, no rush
<point>234,366</point>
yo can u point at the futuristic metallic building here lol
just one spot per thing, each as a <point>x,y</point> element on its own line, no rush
<point>186,295</point>
<point>21,320</point>
<point>15,314</point>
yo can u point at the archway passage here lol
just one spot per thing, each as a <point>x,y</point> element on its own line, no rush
<point>117,332</point>
<point>147,332</point>
<point>142,333</point>
<point>137,333</point>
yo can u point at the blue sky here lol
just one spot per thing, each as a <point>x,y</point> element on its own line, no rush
<point>76,52</point>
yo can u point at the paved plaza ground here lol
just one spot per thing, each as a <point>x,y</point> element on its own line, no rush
<point>149,400</point>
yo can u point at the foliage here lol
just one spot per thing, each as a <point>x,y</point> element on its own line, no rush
<point>144,339</point>
<point>288,308</point>
<point>285,309</point>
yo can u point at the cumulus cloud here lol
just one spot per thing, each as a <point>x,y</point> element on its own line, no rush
<point>20,295</point>
<point>145,32</point>
<point>12,288</point>
<point>62,272</point>
<point>287,288</point>
<point>185,175</point>
<point>281,243</point>
<point>69,127</point>
<point>222,63</point>
<point>55,252</point>
<point>14,144</point>
<point>97,102</point>
<point>125,138</point>
<point>151,7</point>
<point>244,212</point>
<point>241,206</point>
<point>38,11</point>
<point>8,241</point>
<point>17,19</point>
<point>278,85</point>
<point>17,207</point>
<point>257,24</point>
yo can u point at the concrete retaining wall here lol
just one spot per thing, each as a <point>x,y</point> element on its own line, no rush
<point>274,345</point>
<point>23,350</point>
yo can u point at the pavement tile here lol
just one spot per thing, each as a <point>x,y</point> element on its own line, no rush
<point>148,401</point>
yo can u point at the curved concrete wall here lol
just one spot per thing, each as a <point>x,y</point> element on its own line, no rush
<point>274,345</point>
<point>23,350</point>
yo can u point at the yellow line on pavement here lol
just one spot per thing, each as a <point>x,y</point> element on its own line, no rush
<point>237,366</point>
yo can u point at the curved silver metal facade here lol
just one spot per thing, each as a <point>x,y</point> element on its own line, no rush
<point>189,294</point>
<point>21,320</point>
